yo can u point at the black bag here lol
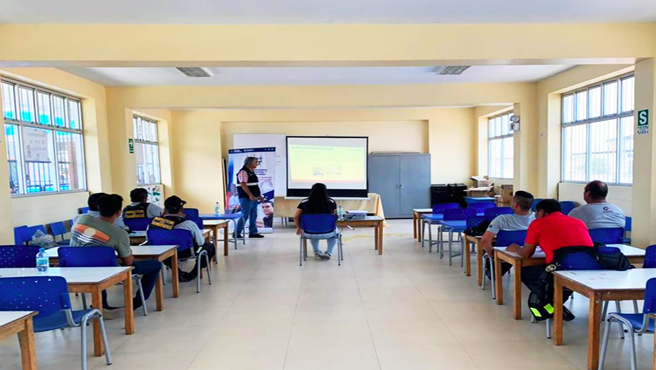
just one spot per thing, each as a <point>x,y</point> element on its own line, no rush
<point>478,230</point>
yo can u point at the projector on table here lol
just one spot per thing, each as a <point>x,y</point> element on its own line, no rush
<point>355,215</point>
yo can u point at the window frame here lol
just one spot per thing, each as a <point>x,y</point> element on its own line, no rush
<point>145,143</point>
<point>618,116</point>
<point>500,138</point>
<point>22,165</point>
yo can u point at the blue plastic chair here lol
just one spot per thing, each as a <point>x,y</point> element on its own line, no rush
<point>192,212</point>
<point>433,219</point>
<point>95,256</point>
<point>459,214</point>
<point>34,229</point>
<point>535,203</point>
<point>22,235</point>
<point>638,323</point>
<point>504,238</point>
<point>322,227</point>
<point>59,229</point>
<point>607,236</point>
<point>184,240</point>
<point>567,206</point>
<point>137,224</point>
<point>650,257</point>
<point>481,206</point>
<point>49,296</point>
<point>18,256</point>
<point>83,210</point>
<point>628,227</point>
<point>492,213</point>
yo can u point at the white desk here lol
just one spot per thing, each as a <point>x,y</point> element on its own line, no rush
<point>146,252</point>
<point>89,280</point>
<point>214,226</point>
<point>635,255</point>
<point>598,286</point>
<point>416,221</point>
<point>20,322</point>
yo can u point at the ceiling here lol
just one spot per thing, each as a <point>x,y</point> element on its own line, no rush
<point>139,76</point>
<point>322,11</point>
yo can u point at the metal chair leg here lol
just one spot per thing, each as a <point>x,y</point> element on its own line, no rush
<point>137,278</point>
<point>450,252</point>
<point>84,300</point>
<point>423,232</point>
<point>548,328</point>
<point>300,252</point>
<point>208,268</point>
<point>604,345</point>
<point>163,272</point>
<point>430,238</point>
<point>103,333</point>
<point>83,327</point>
<point>618,307</point>
<point>462,251</point>
<point>493,278</point>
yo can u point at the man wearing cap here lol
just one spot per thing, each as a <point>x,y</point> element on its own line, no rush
<point>175,218</point>
<point>249,195</point>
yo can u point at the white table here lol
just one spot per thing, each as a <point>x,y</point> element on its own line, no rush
<point>20,322</point>
<point>89,280</point>
<point>146,252</point>
<point>416,220</point>
<point>635,255</point>
<point>598,286</point>
<point>214,226</point>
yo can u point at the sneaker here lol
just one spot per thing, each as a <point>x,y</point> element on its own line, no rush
<point>184,277</point>
<point>320,256</point>
<point>255,236</point>
<point>240,236</point>
<point>567,315</point>
<point>326,256</point>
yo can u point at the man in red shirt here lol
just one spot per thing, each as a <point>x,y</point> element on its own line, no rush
<point>551,231</point>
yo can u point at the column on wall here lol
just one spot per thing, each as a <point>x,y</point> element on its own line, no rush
<point>6,228</point>
<point>644,162</point>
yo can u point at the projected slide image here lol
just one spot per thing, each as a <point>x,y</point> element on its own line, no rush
<point>328,164</point>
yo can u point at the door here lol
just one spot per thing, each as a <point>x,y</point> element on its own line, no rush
<point>384,176</point>
<point>415,183</point>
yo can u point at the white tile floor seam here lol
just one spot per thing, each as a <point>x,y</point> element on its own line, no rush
<point>405,310</point>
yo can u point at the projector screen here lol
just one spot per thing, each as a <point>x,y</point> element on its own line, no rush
<point>338,162</point>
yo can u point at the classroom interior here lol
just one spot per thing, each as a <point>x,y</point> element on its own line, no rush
<point>330,72</point>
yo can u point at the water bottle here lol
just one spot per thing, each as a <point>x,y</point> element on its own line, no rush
<point>340,212</point>
<point>42,261</point>
<point>217,209</point>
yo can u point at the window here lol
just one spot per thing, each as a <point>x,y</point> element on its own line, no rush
<point>146,151</point>
<point>500,147</point>
<point>45,152</point>
<point>598,132</point>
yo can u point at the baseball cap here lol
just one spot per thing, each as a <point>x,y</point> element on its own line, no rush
<point>173,204</point>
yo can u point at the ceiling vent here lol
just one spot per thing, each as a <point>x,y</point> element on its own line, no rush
<point>195,71</point>
<point>451,70</point>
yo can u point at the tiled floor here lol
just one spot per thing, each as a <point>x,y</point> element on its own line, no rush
<point>405,310</point>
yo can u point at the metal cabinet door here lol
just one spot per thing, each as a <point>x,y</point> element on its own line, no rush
<point>384,177</point>
<point>415,183</point>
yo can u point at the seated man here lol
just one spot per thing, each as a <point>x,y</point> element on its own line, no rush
<point>519,220</point>
<point>175,218</point>
<point>92,202</point>
<point>140,208</point>
<point>100,231</point>
<point>551,231</point>
<point>597,213</point>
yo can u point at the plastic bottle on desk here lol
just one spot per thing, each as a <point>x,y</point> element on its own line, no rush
<point>42,261</point>
<point>340,213</point>
<point>217,209</point>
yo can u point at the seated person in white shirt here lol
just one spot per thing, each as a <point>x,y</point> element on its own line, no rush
<point>519,220</point>
<point>140,208</point>
<point>175,218</point>
<point>92,202</point>
<point>597,213</point>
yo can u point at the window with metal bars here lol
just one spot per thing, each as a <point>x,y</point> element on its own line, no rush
<point>500,147</point>
<point>45,143</point>
<point>146,151</point>
<point>597,136</point>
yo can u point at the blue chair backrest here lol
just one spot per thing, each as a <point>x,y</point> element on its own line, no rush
<point>192,212</point>
<point>650,257</point>
<point>46,294</point>
<point>506,238</point>
<point>579,261</point>
<point>459,214</point>
<point>22,235</point>
<point>482,205</point>
<point>650,297</point>
<point>492,213</point>
<point>475,221</point>
<point>83,210</point>
<point>182,238</point>
<point>318,223</point>
<point>628,226</point>
<point>439,208</point>
<point>567,206</point>
<point>58,228</point>
<point>137,224</point>
<point>197,220</point>
<point>17,256</point>
<point>535,203</point>
<point>607,236</point>
<point>90,256</point>
<point>34,229</point>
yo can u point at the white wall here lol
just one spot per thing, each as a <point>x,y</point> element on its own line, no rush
<point>618,195</point>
